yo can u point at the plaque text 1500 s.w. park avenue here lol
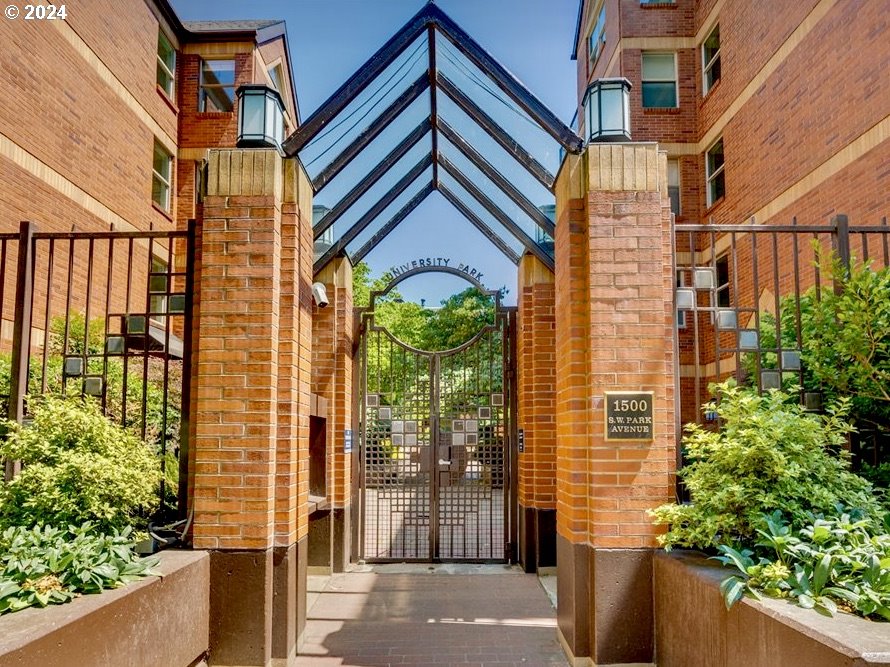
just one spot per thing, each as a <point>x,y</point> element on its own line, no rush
<point>629,415</point>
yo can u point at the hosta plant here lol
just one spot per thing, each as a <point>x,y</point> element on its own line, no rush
<point>46,565</point>
<point>831,563</point>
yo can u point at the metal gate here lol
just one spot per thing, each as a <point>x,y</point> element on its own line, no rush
<point>435,431</point>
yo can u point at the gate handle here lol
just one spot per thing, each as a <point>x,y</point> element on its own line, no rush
<point>444,463</point>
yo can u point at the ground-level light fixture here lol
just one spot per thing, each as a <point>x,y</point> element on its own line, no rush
<point>607,109</point>
<point>260,117</point>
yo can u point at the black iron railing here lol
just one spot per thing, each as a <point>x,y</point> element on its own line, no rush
<point>106,315</point>
<point>742,294</point>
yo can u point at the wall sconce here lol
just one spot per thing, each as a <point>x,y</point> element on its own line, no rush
<point>607,107</point>
<point>260,117</point>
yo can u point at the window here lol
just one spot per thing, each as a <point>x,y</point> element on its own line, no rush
<point>723,281</point>
<point>681,313</point>
<point>660,81</point>
<point>217,92</point>
<point>597,39</point>
<point>160,177</point>
<point>277,78</point>
<point>158,288</point>
<point>166,64</point>
<point>710,56</point>
<point>716,185</point>
<point>674,185</point>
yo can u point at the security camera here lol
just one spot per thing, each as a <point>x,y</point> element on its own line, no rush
<point>320,295</point>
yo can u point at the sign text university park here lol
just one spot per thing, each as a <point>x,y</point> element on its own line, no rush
<point>431,262</point>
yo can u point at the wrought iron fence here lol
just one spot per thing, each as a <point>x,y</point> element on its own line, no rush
<point>106,315</point>
<point>744,295</point>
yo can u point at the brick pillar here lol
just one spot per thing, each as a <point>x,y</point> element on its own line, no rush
<point>614,283</point>
<point>332,380</point>
<point>251,412</point>
<point>536,355</point>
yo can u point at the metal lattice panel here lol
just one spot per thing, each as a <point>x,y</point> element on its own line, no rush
<point>435,433</point>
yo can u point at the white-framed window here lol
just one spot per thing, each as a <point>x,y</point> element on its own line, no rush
<point>659,79</point>
<point>166,64</point>
<point>714,173</point>
<point>161,176</point>
<point>596,40</point>
<point>217,90</point>
<point>674,185</point>
<point>722,270</point>
<point>710,59</point>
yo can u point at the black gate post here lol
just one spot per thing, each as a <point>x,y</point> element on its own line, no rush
<point>841,237</point>
<point>187,385</point>
<point>21,332</point>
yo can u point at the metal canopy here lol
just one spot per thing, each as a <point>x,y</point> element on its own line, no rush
<point>426,24</point>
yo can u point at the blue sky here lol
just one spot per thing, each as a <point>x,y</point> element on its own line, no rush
<point>330,39</point>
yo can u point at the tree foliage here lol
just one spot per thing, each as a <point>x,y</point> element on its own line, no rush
<point>845,340</point>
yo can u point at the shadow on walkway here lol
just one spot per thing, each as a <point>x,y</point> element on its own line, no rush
<point>402,615</point>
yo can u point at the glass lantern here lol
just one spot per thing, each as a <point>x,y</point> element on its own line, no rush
<point>607,108</point>
<point>260,117</point>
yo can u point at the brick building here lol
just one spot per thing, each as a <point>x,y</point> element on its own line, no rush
<point>759,111</point>
<point>107,121</point>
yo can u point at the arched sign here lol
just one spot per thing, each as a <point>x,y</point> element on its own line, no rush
<point>398,274</point>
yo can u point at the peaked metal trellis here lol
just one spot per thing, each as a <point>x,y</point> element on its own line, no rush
<point>432,21</point>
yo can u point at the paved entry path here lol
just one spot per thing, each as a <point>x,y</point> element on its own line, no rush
<point>429,616</point>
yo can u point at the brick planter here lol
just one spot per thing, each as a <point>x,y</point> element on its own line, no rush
<point>157,621</point>
<point>694,629</point>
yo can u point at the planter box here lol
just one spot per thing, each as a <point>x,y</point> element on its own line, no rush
<point>157,621</point>
<point>694,629</point>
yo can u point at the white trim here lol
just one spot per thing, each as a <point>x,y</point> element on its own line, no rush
<point>707,66</point>
<point>709,177</point>
<point>171,73</point>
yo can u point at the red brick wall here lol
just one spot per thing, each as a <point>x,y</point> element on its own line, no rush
<point>536,354</point>
<point>59,110</point>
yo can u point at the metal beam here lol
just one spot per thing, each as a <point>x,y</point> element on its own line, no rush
<point>373,212</point>
<point>355,84</point>
<point>506,81</point>
<point>434,99</point>
<point>384,231</point>
<point>496,211</point>
<point>496,132</point>
<point>370,133</point>
<point>479,224</point>
<point>496,177</point>
<point>373,176</point>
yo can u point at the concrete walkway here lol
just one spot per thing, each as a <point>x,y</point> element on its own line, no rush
<point>401,615</point>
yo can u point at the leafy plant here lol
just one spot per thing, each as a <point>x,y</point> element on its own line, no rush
<point>769,455</point>
<point>844,338</point>
<point>77,466</point>
<point>830,563</point>
<point>46,565</point>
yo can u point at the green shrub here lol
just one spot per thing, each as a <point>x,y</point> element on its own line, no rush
<point>77,466</point>
<point>768,455</point>
<point>45,565</point>
<point>830,563</point>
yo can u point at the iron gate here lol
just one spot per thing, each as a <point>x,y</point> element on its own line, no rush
<point>435,434</point>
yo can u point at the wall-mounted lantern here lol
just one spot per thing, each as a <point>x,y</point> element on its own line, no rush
<point>260,117</point>
<point>607,108</point>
